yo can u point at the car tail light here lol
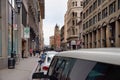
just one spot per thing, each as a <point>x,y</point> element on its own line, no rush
<point>45,68</point>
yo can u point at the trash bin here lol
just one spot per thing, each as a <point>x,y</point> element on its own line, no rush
<point>11,63</point>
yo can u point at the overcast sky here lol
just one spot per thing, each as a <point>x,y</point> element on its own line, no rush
<point>54,14</point>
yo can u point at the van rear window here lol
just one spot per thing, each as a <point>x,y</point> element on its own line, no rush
<point>104,72</point>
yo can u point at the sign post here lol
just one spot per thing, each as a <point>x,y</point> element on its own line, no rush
<point>26,32</point>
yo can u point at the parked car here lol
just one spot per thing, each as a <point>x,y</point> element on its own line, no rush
<point>48,58</point>
<point>84,64</point>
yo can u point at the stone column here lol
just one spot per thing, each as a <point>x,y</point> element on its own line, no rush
<point>102,37</point>
<point>4,27</point>
<point>88,40</point>
<point>4,33</point>
<point>108,35</point>
<point>92,39</point>
<point>97,38</point>
<point>117,32</point>
<point>85,41</point>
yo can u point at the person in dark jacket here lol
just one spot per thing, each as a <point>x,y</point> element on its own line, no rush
<point>34,52</point>
<point>23,53</point>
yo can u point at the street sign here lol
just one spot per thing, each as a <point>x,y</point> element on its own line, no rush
<point>26,32</point>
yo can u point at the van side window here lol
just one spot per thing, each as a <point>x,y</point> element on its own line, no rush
<point>52,65</point>
<point>62,69</point>
<point>67,69</point>
<point>104,72</point>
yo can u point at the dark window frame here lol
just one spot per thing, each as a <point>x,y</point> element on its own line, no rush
<point>118,4</point>
<point>112,7</point>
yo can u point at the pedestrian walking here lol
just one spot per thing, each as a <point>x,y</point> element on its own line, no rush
<point>23,53</point>
<point>37,53</point>
<point>34,52</point>
<point>31,52</point>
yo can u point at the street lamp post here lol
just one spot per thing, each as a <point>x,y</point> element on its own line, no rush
<point>11,60</point>
<point>12,53</point>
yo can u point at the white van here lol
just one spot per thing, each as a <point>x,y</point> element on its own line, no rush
<point>84,64</point>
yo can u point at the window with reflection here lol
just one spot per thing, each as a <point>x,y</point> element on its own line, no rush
<point>112,8</point>
<point>104,72</point>
<point>99,16</point>
<point>104,13</point>
<point>99,2</point>
<point>118,4</point>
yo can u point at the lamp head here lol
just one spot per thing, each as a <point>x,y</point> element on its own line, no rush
<point>18,2</point>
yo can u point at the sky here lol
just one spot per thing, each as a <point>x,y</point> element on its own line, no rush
<point>54,14</point>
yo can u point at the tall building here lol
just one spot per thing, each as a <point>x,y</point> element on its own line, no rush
<point>42,16</point>
<point>15,21</point>
<point>35,22</point>
<point>74,8</point>
<point>101,23</point>
<point>57,39</point>
<point>5,24</point>
<point>62,35</point>
<point>52,42</point>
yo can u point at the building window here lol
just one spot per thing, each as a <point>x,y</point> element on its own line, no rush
<point>73,22</point>
<point>87,1</point>
<point>73,14</point>
<point>95,5</point>
<point>86,13</point>
<point>104,13</point>
<point>90,9</point>
<point>118,4</point>
<point>99,16</point>
<point>83,15</point>
<point>76,3</point>
<point>73,31</point>
<point>81,3</point>
<point>99,2</point>
<point>83,26</point>
<point>112,8</point>
<point>90,22</point>
<point>87,24</point>
<point>76,22</point>
<point>73,4</point>
<point>95,18</point>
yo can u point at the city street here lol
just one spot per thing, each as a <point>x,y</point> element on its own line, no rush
<point>22,71</point>
<point>60,39</point>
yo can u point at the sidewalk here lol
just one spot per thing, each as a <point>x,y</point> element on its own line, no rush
<point>22,71</point>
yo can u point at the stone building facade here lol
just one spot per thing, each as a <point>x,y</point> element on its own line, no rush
<point>11,17</point>
<point>74,8</point>
<point>57,38</point>
<point>63,38</point>
<point>101,23</point>
<point>52,42</point>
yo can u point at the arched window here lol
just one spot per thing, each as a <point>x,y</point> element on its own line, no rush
<point>76,3</point>
<point>73,4</point>
<point>73,22</point>
<point>73,31</point>
<point>73,14</point>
